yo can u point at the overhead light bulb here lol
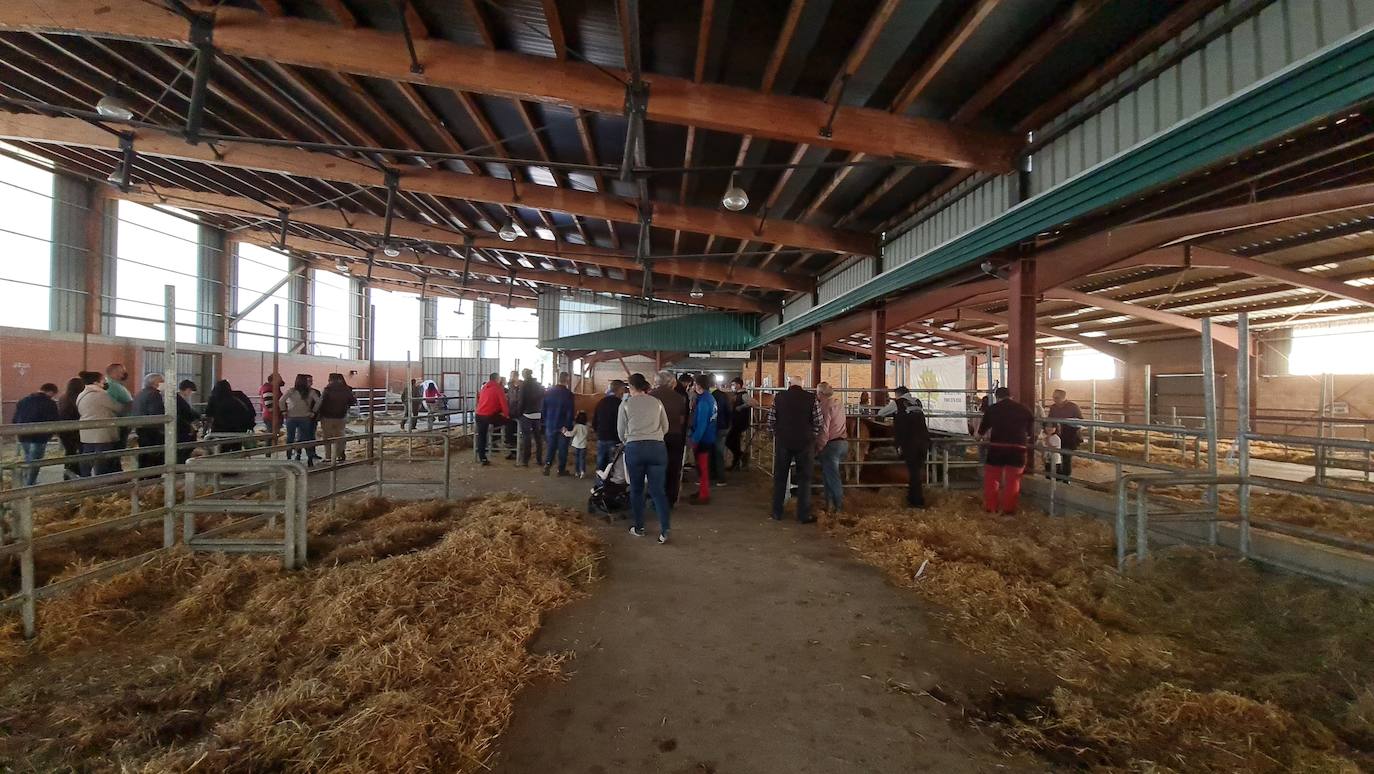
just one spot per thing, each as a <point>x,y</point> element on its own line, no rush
<point>390,250</point>
<point>735,199</point>
<point>508,232</point>
<point>484,299</point>
<point>341,266</point>
<point>696,293</point>
<point>115,105</point>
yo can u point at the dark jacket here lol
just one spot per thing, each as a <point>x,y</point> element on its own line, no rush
<point>909,430</point>
<point>232,413</point>
<point>531,397</point>
<point>604,420</point>
<point>795,418</point>
<point>724,411</point>
<point>675,406</point>
<point>740,411</point>
<point>1070,436</point>
<point>336,400</point>
<point>37,407</point>
<point>1008,424</point>
<point>148,403</point>
<point>557,410</point>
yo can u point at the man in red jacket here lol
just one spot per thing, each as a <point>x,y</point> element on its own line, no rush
<point>492,411</point>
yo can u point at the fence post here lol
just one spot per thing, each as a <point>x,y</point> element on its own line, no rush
<point>1243,426</point>
<point>169,426</point>
<point>26,581</point>
<point>1209,407</point>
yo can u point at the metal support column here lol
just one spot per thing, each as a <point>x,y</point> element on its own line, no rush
<point>1146,395</point>
<point>1020,353</point>
<point>782,364</point>
<point>1209,409</point>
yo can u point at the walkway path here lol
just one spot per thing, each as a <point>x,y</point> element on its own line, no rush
<point>742,646</point>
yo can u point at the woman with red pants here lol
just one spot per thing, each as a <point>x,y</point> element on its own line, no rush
<point>703,436</point>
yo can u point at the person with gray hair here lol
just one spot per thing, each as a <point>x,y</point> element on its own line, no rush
<point>675,439</point>
<point>832,446</point>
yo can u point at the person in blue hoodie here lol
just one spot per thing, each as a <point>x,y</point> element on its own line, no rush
<point>557,413</point>
<point>703,435</point>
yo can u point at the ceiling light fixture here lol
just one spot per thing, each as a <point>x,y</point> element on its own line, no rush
<point>735,199</point>
<point>484,299</point>
<point>696,291</point>
<point>342,266</point>
<point>390,250</point>
<point>508,232</point>
<point>115,104</point>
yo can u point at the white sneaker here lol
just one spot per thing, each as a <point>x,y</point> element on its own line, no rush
<point>636,531</point>
<point>662,537</point>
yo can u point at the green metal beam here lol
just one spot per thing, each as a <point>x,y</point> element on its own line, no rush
<point>692,333</point>
<point>1323,85</point>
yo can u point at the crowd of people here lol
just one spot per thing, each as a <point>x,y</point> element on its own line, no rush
<point>651,425</point>
<point>228,414</point>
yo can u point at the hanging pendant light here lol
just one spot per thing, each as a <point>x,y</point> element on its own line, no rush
<point>390,250</point>
<point>696,291</point>
<point>508,232</point>
<point>342,266</point>
<point>735,199</point>
<point>115,104</point>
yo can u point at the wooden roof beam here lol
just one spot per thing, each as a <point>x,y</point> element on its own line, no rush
<point>1220,333</point>
<point>437,182</point>
<point>1205,257</point>
<point>378,54</point>
<point>372,225</point>
<point>1114,351</point>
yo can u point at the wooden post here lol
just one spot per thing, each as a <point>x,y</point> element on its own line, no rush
<point>877,338</point>
<point>1021,333</point>
<point>95,259</point>
<point>758,369</point>
<point>815,357</point>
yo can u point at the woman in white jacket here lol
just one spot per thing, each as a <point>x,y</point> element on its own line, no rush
<point>95,403</point>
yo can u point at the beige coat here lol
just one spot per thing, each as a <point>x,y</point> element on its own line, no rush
<point>95,403</point>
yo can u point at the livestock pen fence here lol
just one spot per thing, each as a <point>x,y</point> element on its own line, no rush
<point>1185,454</point>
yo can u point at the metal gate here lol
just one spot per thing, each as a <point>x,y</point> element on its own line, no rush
<point>1181,396</point>
<point>200,367</point>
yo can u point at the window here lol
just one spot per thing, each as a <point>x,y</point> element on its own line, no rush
<point>258,270</point>
<point>1081,365</point>
<point>154,248</point>
<point>397,325</point>
<point>453,318</point>
<point>25,243</point>
<point>1332,349</point>
<point>331,315</point>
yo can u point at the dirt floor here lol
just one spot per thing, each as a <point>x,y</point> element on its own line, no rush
<point>742,646</point>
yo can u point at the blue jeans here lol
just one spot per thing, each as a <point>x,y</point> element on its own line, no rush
<point>604,451</point>
<point>33,452</point>
<point>830,457</point>
<point>558,445</point>
<point>299,430</point>
<point>580,460</point>
<point>102,466</point>
<point>648,460</point>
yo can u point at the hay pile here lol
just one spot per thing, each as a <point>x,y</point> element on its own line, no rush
<point>401,650</point>
<point>1192,663</point>
<point>424,447</point>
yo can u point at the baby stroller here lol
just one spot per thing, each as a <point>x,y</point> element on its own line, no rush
<point>611,490</point>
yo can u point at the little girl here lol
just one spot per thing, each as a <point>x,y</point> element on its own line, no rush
<point>578,434</point>
<point>1053,462</point>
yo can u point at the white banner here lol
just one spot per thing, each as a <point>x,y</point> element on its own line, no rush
<point>942,373</point>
